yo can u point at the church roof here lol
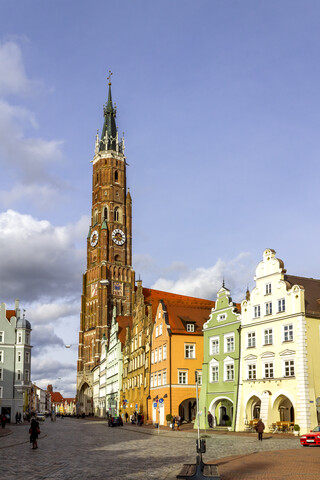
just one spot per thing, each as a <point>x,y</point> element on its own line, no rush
<point>56,397</point>
<point>312,292</point>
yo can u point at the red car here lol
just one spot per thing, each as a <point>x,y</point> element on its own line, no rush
<point>312,438</point>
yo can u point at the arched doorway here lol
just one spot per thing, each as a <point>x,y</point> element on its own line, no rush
<point>85,399</point>
<point>222,411</point>
<point>188,409</point>
<point>253,408</point>
<point>285,409</point>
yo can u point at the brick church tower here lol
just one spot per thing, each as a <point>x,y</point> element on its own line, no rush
<point>109,277</point>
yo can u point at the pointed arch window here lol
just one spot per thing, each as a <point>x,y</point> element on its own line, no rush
<point>117,214</point>
<point>95,217</point>
<point>105,213</point>
<point>116,176</point>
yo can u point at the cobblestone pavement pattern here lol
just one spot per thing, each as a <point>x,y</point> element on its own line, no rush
<point>81,449</point>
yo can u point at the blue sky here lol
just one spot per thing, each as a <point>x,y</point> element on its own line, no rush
<point>219,102</point>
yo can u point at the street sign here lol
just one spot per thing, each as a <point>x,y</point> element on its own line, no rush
<point>154,404</point>
<point>136,405</point>
<point>161,400</point>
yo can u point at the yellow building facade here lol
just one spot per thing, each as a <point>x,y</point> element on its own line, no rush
<point>280,333</point>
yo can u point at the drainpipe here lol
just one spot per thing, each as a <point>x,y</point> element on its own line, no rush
<point>170,376</point>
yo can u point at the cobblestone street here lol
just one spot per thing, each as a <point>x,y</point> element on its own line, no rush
<point>81,449</point>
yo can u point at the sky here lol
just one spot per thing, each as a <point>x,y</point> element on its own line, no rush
<point>219,102</point>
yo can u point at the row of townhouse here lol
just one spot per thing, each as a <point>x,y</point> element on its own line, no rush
<point>254,359</point>
<point>260,359</point>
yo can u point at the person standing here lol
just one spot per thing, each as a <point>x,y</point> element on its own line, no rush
<point>210,419</point>
<point>173,422</point>
<point>3,421</point>
<point>259,428</point>
<point>34,431</point>
<point>178,420</point>
<point>127,416</point>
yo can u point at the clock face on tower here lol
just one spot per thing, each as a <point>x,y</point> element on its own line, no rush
<point>94,238</point>
<point>118,236</point>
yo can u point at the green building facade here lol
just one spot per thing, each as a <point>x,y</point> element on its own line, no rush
<point>220,369</point>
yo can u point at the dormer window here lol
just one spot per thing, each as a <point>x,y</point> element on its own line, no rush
<point>222,317</point>
<point>268,289</point>
<point>190,327</point>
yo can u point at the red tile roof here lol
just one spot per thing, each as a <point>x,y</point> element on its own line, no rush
<point>312,293</point>
<point>10,313</point>
<point>56,397</point>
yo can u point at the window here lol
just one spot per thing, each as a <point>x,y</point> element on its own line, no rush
<point>27,357</point>
<point>155,356</point>
<point>18,374</point>
<point>256,311</point>
<point>27,338</point>
<point>268,370</point>
<point>160,354</point>
<point>19,337</point>
<point>159,379</point>
<point>222,317</point>
<point>230,372</point>
<point>152,357</point>
<point>164,350</point>
<point>269,308</point>
<point>160,329</point>
<point>288,333</point>
<point>157,331</point>
<point>252,371</point>
<point>1,373</point>
<point>199,378</point>
<point>140,339</point>
<point>19,357</point>
<point>229,344</point>
<point>116,176</point>
<point>289,368</point>
<point>164,377</point>
<point>268,336</point>
<point>182,377</point>
<point>189,351</point>
<point>251,339</point>
<point>27,375</point>
<point>214,373</point>
<point>1,392</point>
<point>1,337</point>
<point>105,213</point>
<point>190,327</point>
<point>214,345</point>
<point>281,305</point>
<point>116,214</point>
<point>268,288</point>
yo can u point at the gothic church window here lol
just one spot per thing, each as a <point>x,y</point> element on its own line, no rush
<point>116,176</point>
<point>105,213</point>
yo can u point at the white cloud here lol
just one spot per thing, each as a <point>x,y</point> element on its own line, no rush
<point>39,262</point>
<point>205,282</point>
<point>13,78</point>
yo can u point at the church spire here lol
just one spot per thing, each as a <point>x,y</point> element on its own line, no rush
<point>109,134</point>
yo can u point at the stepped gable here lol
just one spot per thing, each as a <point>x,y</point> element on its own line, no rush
<point>181,309</point>
<point>123,322</point>
<point>312,292</point>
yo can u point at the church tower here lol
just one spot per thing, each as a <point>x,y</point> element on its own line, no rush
<point>109,277</point>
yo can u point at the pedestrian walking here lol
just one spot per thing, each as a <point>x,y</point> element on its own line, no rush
<point>178,420</point>
<point>133,418</point>
<point>210,419</point>
<point>259,428</point>
<point>3,421</point>
<point>34,431</point>
<point>173,422</point>
<point>19,418</point>
<point>127,416</point>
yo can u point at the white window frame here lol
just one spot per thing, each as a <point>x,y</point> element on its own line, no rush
<point>18,377</point>
<point>1,356</point>
<point>19,356</point>
<point>1,373</point>
<point>281,305</point>
<point>253,367</point>
<point>190,351</point>
<point>160,354</point>
<point>256,311</point>
<point>199,377</point>
<point>267,367</point>
<point>214,373</point>
<point>268,289</point>
<point>160,329</point>
<point>157,331</point>
<point>19,339</point>
<point>267,336</point>
<point>268,308</point>
<point>2,337</point>
<point>190,327</point>
<point>226,363</point>
<point>1,392</point>
<point>156,356</point>
<point>184,374</point>
<point>229,336</point>
<point>152,357</point>
<point>164,352</point>
<point>289,332</point>
<point>159,379</point>
<point>251,340</point>
<point>214,345</point>
<point>164,377</point>
<point>222,317</point>
<point>291,367</point>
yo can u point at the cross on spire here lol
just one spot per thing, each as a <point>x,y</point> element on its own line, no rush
<point>109,77</point>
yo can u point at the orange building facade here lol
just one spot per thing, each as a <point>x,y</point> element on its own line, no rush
<point>176,355</point>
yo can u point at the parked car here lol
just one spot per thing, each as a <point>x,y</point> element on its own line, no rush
<point>312,438</point>
<point>40,417</point>
<point>115,422</point>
